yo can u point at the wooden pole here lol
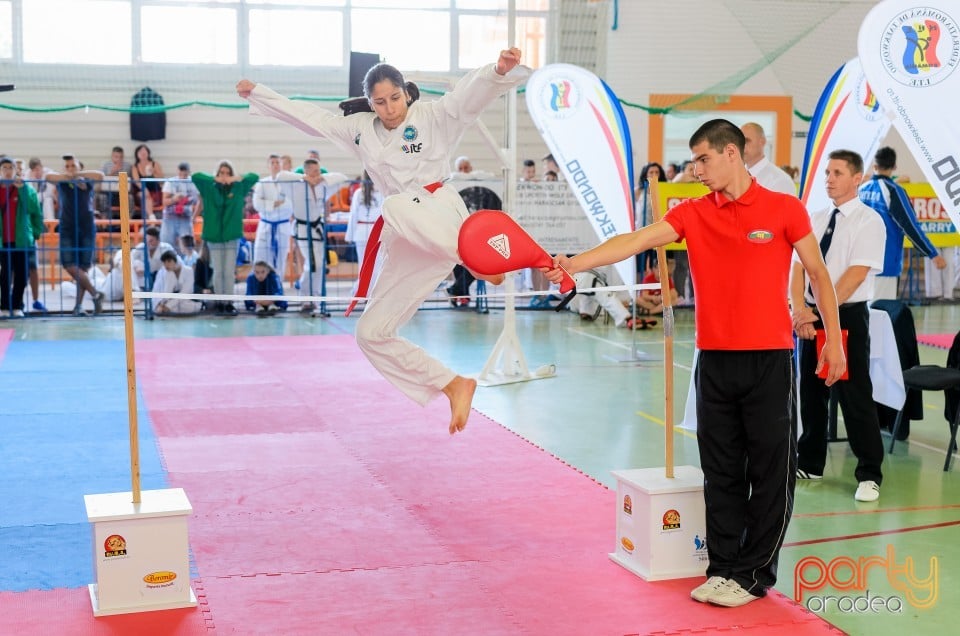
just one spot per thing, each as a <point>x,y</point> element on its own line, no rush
<point>656,208</point>
<point>128,336</point>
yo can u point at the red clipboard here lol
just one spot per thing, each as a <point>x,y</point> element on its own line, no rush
<point>821,340</point>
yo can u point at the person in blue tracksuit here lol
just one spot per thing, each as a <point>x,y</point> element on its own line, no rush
<point>889,199</point>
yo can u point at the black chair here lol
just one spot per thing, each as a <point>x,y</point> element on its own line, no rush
<point>933,377</point>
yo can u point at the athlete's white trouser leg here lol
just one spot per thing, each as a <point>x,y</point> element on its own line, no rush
<point>419,249</point>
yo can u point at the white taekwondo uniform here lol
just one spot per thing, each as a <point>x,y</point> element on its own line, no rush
<point>274,230</point>
<point>309,217</point>
<point>168,282</point>
<point>419,239</point>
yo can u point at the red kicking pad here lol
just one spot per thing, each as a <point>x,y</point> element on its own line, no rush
<point>492,243</point>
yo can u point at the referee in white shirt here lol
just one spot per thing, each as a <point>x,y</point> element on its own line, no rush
<point>851,237</point>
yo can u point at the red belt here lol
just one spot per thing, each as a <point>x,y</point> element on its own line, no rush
<point>370,255</point>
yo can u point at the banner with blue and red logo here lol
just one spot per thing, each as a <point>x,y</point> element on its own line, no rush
<point>910,52</point>
<point>584,126</point>
<point>848,117</point>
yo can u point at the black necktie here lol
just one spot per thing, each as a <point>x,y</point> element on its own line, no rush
<point>825,241</point>
<point>827,237</point>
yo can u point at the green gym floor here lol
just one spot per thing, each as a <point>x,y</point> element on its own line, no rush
<point>889,568</point>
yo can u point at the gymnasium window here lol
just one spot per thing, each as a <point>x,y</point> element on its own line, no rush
<point>277,37</point>
<point>6,30</point>
<point>416,35</point>
<point>70,32</point>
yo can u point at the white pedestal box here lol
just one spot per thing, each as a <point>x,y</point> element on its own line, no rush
<point>661,523</point>
<point>140,551</point>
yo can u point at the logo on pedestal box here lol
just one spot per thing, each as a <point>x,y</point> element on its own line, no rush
<point>114,546</point>
<point>159,578</point>
<point>671,520</point>
<point>627,504</point>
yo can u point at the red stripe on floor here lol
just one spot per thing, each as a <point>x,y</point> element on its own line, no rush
<point>879,533</point>
<point>841,513</point>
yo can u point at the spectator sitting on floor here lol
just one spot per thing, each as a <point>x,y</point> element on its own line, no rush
<point>651,300</point>
<point>189,255</point>
<point>155,249</point>
<point>174,278</point>
<point>588,303</point>
<point>264,281</point>
<point>112,284</point>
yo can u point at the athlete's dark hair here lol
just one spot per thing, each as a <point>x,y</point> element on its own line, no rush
<point>374,76</point>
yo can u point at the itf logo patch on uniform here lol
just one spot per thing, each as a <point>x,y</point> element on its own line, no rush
<point>410,133</point>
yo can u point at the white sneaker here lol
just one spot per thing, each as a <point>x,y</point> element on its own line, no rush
<point>732,595</point>
<point>261,310</point>
<point>867,491</point>
<point>705,591</point>
<point>16,313</point>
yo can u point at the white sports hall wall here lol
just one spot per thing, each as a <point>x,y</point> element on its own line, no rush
<point>657,47</point>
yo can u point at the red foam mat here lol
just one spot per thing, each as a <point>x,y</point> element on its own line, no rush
<point>63,611</point>
<point>6,335</point>
<point>939,340</point>
<point>326,503</point>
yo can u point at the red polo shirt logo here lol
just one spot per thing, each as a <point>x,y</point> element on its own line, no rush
<point>760,236</point>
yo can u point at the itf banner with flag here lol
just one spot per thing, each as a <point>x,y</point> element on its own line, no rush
<point>584,127</point>
<point>849,117</point>
<point>910,52</point>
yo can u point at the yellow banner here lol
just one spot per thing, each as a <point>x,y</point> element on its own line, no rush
<point>933,218</point>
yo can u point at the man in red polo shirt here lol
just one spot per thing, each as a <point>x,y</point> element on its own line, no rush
<point>740,240</point>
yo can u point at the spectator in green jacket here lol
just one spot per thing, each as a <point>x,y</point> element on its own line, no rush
<point>223,199</point>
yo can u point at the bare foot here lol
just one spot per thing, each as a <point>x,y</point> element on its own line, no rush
<point>460,393</point>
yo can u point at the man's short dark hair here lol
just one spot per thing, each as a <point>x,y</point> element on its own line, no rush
<point>153,231</point>
<point>886,158</point>
<point>169,255</point>
<point>5,160</point>
<point>311,161</point>
<point>853,160</point>
<point>718,133</point>
<point>529,162</point>
<point>117,149</point>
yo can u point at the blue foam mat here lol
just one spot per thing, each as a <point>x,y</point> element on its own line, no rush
<point>43,557</point>
<point>67,395</point>
<point>29,428</point>
<point>64,433</point>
